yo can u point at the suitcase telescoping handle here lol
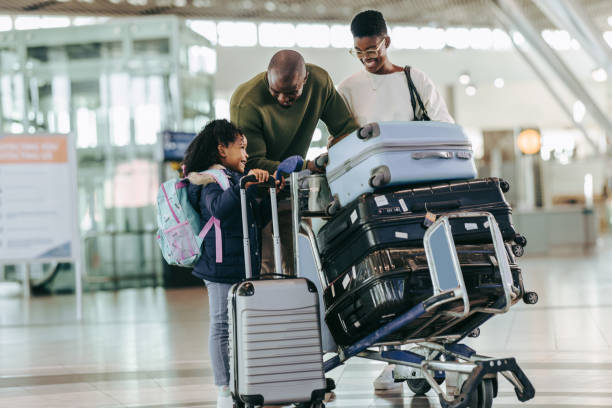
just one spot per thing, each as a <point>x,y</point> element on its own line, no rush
<point>271,184</point>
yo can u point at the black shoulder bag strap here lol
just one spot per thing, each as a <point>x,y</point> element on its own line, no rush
<point>414,94</point>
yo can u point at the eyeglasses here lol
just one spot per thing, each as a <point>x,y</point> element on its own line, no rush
<point>369,53</point>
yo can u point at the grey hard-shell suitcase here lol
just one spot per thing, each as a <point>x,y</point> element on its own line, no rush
<point>387,154</point>
<point>275,339</point>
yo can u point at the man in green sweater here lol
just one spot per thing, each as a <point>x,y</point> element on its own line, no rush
<point>278,110</point>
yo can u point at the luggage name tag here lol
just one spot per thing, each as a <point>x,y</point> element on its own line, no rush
<point>402,204</point>
<point>357,324</point>
<point>381,201</point>
<point>354,216</point>
<point>430,218</point>
<point>401,235</point>
<point>470,226</point>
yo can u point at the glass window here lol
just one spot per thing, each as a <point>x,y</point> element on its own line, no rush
<point>119,115</point>
<point>158,46</point>
<point>276,35</point>
<point>458,37</point>
<point>237,34</point>
<point>12,95</point>
<point>501,40</point>
<point>27,22</point>
<point>86,128</point>
<point>54,21</point>
<point>6,23</point>
<point>405,37</point>
<point>312,35</point>
<point>481,38</point>
<point>222,109</point>
<point>202,59</point>
<point>432,38</point>
<point>207,29</point>
<point>340,36</point>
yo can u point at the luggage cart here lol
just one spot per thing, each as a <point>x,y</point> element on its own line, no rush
<point>471,379</point>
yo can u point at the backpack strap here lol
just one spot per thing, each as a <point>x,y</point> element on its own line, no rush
<point>218,237</point>
<point>415,94</point>
<point>219,176</point>
<point>221,179</point>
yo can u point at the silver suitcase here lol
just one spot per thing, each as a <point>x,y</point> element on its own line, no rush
<point>275,338</point>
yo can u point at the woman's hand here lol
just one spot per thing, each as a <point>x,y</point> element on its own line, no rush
<point>261,175</point>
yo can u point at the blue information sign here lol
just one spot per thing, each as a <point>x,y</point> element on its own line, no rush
<point>175,144</point>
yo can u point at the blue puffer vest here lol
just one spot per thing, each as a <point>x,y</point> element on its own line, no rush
<point>211,200</point>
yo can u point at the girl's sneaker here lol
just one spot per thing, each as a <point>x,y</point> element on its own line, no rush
<point>224,398</point>
<point>224,392</point>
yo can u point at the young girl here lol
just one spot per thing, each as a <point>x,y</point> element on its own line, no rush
<point>222,146</point>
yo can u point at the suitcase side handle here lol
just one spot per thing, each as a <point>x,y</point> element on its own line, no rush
<point>432,155</point>
<point>438,205</point>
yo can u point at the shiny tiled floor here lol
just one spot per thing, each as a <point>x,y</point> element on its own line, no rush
<point>147,348</point>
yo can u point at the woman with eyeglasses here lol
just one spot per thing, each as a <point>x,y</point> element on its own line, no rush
<point>380,92</point>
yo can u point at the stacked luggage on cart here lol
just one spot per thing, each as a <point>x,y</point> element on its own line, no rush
<point>389,182</point>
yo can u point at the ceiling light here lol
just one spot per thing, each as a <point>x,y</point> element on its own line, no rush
<point>464,78</point>
<point>270,6</point>
<point>579,111</point>
<point>599,75</point>
<point>499,82</point>
<point>470,90</point>
<point>610,20</point>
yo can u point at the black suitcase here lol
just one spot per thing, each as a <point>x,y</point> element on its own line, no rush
<point>389,282</point>
<point>396,219</point>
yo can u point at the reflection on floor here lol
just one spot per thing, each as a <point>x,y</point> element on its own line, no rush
<point>147,348</point>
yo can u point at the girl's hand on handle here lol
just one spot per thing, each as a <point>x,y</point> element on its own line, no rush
<point>280,184</point>
<point>261,175</point>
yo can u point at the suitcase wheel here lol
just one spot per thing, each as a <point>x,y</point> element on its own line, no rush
<point>530,298</point>
<point>520,240</point>
<point>504,185</point>
<point>518,250</point>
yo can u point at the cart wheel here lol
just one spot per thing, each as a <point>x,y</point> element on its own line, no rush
<point>483,396</point>
<point>420,386</point>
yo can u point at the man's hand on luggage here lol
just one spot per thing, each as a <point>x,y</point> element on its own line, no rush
<point>310,165</point>
<point>262,176</point>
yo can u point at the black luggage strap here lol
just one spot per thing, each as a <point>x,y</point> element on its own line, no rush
<point>415,94</point>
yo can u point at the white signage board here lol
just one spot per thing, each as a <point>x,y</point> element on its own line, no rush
<point>38,200</point>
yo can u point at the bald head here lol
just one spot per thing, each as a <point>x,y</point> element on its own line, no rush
<point>287,63</point>
<point>286,76</point>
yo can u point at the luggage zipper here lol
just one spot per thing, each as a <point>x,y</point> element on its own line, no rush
<point>366,154</point>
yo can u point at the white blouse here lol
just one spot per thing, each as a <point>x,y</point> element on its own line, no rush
<point>377,98</point>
